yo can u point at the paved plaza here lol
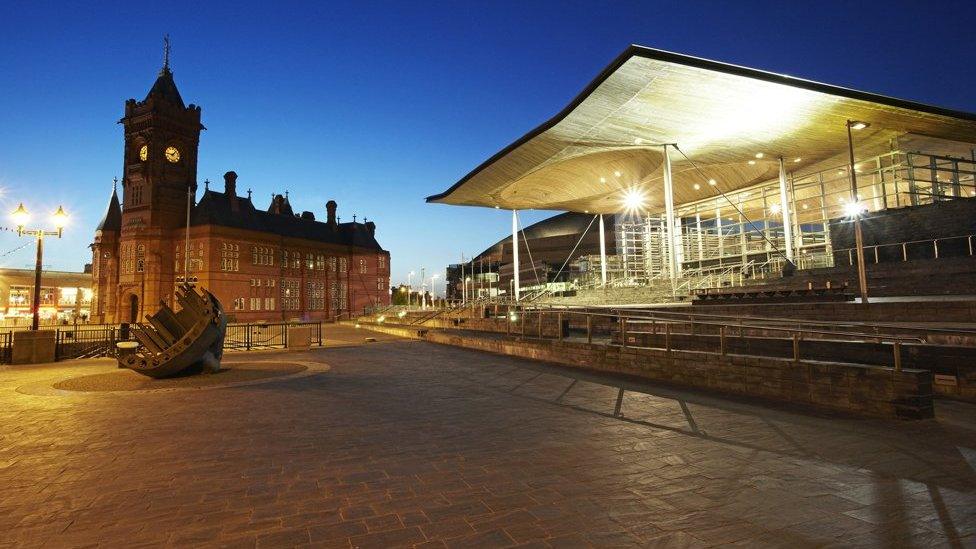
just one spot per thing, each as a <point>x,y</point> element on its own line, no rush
<point>407,443</point>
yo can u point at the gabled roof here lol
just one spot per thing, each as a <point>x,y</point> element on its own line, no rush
<point>165,88</point>
<point>216,208</point>
<point>609,138</point>
<point>112,220</point>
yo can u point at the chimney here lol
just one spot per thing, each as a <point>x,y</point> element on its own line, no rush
<point>230,189</point>
<point>330,209</point>
<point>230,184</point>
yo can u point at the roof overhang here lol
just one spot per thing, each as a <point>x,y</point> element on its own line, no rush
<point>719,115</point>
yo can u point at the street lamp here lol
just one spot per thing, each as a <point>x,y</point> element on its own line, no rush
<point>20,217</point>
<point>856,209</point>
<point>410,287</point>
<point>432,279</point>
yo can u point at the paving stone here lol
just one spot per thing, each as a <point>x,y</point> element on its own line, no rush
<point>416,444</point>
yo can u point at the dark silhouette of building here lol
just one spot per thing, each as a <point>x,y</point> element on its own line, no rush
<point>544,248</point>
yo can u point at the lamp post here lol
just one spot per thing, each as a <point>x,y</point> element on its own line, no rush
<point>862,277</point>
<point>432,279</point>
<point>20,217</point>
<point>409,287</point>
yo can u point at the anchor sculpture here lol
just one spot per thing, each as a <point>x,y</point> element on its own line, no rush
<point>191,340</point>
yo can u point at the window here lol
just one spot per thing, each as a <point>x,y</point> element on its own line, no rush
<point>333,295</point>
<point>343,265</point>
<point>255,303</point>
<point>343,296</point>
<point>319,262</point>
<point>140,258</point>
<point>261,255</point>
<point>362,265</point>
<point>229,257</point>
<point>380,283</point>
<point>238,303</point>
<point>315,295</point>
<point>381,262</point>
<point>309,262</point>
<point>332,264</point>
<point>290,294</point>
<point>135,197</point>
<point>269,304</point>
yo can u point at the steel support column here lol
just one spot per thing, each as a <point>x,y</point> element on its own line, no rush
<point>673,266</point>
<point>515,254</point>
<point>784,208</point>
<point>603,253</point>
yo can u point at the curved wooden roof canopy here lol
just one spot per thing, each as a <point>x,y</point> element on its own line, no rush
<point>719,115</point>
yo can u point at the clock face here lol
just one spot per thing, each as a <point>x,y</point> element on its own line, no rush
<point>172,154</point>
<point>144,153</point>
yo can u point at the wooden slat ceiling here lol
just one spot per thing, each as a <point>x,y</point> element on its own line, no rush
<point>720,116</point>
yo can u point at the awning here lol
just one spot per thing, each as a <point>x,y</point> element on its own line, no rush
<point>607,140</point>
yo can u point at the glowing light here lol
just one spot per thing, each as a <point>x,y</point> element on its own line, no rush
<point>858,125</point>
<point>760,155</point>
<point>797,159</point>
<point>854,209</point>
<point>712,182</point>
<point>60,218</point>
<point>752,162</point>
<point>775,208</point>
<point>513,317</point>
<point>633,200</point>
<point>402,314</point>
<point>603,180</point>
<point>638,141</point>
<point>697,186</point>
<point>805,206</point>
<point>380,319</point>
<point>20,215</point>
<point>616,174</point>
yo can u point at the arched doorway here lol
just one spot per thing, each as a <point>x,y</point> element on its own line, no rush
<point>133,308</point>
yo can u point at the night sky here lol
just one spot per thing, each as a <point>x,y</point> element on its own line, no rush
<point>379,105</point>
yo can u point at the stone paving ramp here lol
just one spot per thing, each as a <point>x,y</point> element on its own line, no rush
<point>407,443</point>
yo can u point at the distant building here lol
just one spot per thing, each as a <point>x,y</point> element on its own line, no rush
<point>564,248</point>
<point>65,296</point>
<point>262,264</point>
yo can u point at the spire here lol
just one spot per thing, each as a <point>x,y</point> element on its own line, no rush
<point>165,87</point>
<point>166,53</point>
<point>112,221</point>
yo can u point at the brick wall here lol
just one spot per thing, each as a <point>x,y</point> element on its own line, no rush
<point>861,390</point>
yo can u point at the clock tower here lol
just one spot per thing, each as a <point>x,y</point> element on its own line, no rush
<point>159,168</point>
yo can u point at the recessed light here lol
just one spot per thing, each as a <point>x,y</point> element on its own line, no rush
<point>638,141</point>
<point>697,186</point>
<point>805,206</point>
<point>752,162</point>
<point>603,180</point>
<point>797,159</point>
<point>712,182</point>
<point>760,155</point>
<point>616,174</point>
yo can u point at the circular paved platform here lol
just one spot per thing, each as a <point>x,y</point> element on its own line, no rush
<point>128,380</point>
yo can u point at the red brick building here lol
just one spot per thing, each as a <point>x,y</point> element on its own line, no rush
<point>262,264</point>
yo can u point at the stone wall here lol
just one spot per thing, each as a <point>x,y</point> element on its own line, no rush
<point>860,390</point>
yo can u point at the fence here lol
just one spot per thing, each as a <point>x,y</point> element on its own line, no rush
<point>100,340</point>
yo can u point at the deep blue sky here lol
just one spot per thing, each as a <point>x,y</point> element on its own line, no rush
<point>377,105</point>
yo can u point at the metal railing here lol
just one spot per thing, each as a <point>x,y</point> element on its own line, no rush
<point>952,246</point>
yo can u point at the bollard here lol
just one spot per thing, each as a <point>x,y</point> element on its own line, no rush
<point>667,337</point>
<point>897,347</point>
<point>589,329</point>
<point>721,338</point>
<point>540,324</point>
<point>623,331</point>
<point>796,347</point>
<point>559,325</point>
<point>522,329</point>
